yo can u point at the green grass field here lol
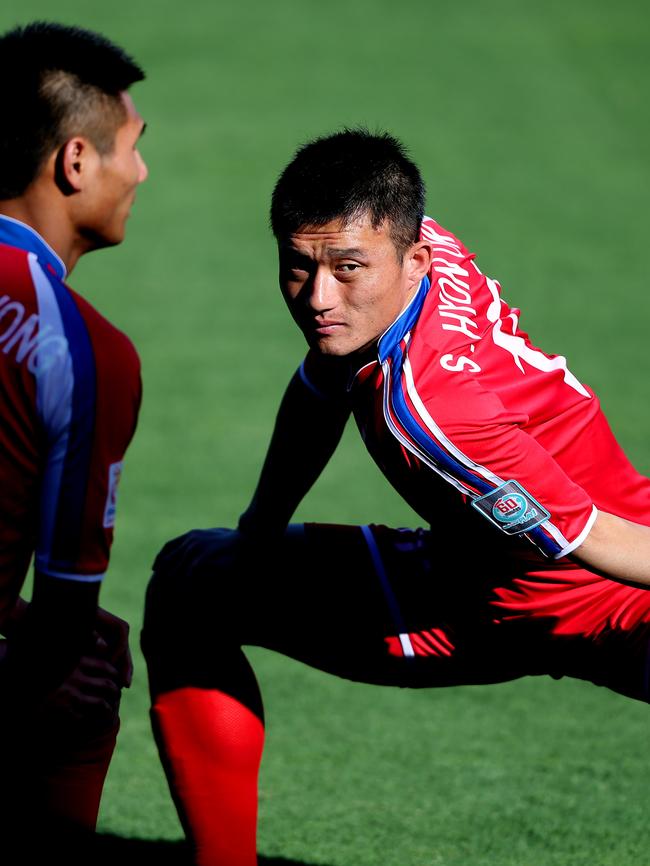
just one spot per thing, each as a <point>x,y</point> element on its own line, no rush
<point>531,124</point>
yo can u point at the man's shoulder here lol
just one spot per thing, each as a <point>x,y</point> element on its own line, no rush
<point>15,273</point>
<point>102,331</point>
<point>42,317</point>
<point>433,231</point>
<point>453,332</point>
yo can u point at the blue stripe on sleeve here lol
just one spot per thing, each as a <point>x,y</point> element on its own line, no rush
<point>70,507</point>
<point>441,457</point>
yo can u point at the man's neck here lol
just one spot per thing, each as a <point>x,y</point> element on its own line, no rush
<point>16,233</point>
<point>51,222</point>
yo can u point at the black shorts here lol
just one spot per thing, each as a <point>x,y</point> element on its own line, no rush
<point>372,604</point>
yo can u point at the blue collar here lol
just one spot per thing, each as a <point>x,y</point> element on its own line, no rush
<point>17,234</point>
<point>403,323</point>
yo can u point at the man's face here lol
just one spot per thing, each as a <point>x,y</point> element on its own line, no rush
<point>113,183</point>
<point>344,284</point>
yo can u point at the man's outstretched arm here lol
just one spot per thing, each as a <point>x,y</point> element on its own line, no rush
<point>308,429</point>
<point>618,549</point>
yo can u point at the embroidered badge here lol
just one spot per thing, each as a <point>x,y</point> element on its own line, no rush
<point>114,472</point>
<point>511,508</point>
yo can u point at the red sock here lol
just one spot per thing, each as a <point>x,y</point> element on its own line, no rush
<point>73,787</point>
<point>52,780</point>
<point>211,747</point>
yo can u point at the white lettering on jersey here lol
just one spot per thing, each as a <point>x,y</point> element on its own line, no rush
<point>114,474</point>
<point>454,300</point>
<point>463,325</point>
<point>456,365</point>
<point>448,244</point>
<point>518,347</point>
<point>453,292</point>
<point>39,346</point>
<point>456,306</point>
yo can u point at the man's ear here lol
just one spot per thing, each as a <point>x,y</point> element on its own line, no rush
<point>419,261</point>
<point>73,163</point>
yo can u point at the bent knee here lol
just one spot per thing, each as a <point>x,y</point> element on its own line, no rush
<point>188,611</point>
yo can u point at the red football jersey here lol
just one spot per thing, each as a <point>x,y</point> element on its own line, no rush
<point>479,430</point>
<point>69,397</point>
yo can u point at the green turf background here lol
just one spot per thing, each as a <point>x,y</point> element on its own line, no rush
<point>530,122</point>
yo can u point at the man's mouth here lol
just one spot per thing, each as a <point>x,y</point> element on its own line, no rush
<point>324,327</point>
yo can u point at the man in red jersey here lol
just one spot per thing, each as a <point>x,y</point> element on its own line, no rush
<point>69,399</point>
<point>537,560</point>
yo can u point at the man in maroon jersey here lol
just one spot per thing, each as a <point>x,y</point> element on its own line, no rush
<point>539,535</point>
<point>69,399</point>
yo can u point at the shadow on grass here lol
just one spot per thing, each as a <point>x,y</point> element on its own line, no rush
<point>109,850</point>
<point>105,849</point>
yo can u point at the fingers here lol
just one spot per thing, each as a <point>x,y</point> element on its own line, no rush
<point>112,628</point>
<point>96,667</point>
<point>93,678</point>
<point>126,668</point>
<point>100,646</point>
<point>197,550</point>
<point>90,694</point>
<point>122,663</point>
<point>92,689</point>
<point>172,553</point>
<point>82,707</point>
<point>112,640</point>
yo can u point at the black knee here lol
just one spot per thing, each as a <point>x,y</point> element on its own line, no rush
<point>193,605</point>
<point>190,575</point>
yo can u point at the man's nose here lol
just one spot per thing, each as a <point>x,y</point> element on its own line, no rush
<point>143,171</point>
<point>323,295</point>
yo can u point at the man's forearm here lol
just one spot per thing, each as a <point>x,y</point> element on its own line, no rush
<point>53,633</point>
<point>307,430</point>
<point>618,549</point>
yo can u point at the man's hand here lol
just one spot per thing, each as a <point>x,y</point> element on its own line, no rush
<point>112,635</point>
<point>90,695</point>
<point>185,564</point>
<point>198,552</point>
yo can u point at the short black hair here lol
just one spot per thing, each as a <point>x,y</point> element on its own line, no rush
<point>59,81</point>
<point>346,175</point>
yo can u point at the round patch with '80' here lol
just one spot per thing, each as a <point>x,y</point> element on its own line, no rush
<point>510,507</point>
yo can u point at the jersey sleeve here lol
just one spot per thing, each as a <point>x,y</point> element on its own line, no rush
<point>464,433</point>
<point>325,377</point>
<point>88,395</point>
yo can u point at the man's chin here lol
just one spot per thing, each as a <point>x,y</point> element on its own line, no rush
<point>97,241</point>
<point>334,348</point>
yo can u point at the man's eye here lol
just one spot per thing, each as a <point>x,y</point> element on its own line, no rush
<point>294,270</point>
<point>347,267</point>
<point>299,265</point>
